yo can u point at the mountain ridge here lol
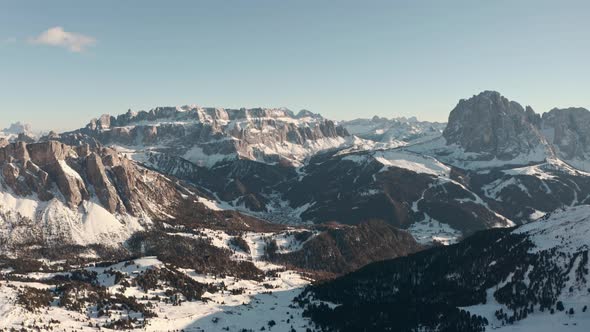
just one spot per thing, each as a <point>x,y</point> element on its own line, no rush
<point>197,212</point>
<point>202,146</point>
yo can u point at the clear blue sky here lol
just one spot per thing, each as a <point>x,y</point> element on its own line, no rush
<point>344,59</point>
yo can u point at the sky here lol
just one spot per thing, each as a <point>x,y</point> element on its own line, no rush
<point>63,63</point>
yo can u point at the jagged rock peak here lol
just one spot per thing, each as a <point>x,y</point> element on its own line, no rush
<point>309,114</point>
<point>51,169</point>
<point>490,123</point>
<point>18,128</point>
<point>568,129</point>
<point>18,131</point>
<point>206,136</point>
<point>196,113</point>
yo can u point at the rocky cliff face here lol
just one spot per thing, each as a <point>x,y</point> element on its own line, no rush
<point>72,198</point>
<point>18,132</point>
<point>516,160</point>
<point>206,136</point>
<point>17,128</point>
<point>52,169</point>
<point>55,194</point>
<point>494,163</point>
<point>82,219</point>
<point>492,125</point>
<point>569,131</point>
<point>488,131</point>
<point>62,201</point>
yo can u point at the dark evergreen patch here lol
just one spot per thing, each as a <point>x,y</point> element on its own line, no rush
<point>33,299</point>
<point>343,248</point>
<point>240,243</point>
<point>428,288</point>
<point>192,253</point>
<point>159,278</point>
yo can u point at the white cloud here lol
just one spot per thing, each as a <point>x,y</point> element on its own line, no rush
<point>57,36</point>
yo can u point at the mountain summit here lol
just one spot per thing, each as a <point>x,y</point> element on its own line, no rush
<point>489,123</point>
<point>206,136</point>
<point>569,131</point>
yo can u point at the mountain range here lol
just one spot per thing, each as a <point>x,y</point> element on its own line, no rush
<point>370,224</point>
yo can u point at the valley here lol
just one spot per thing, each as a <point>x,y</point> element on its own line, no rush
<point>208,219</point>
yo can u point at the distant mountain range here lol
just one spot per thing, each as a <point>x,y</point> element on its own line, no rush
<point>229,201</point>
<point>495,163</point>
<point>18,131</point>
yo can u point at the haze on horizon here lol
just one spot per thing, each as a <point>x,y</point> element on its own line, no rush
<point>63,63</point>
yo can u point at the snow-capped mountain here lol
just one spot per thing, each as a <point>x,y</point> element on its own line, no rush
<point>489,131</point>
<point>532,278</point>
<point>491,125</point>
<point>509,155</point>
<point>494,164</point>
<point>410,191</point>
<point>139,244</point>
<point>207,136</point>
<point>203,212</point>
<point>567,130</point>
<point>54,195</point>
<point>393,132</point>
<point>17,131</point>
<point>17,128</point>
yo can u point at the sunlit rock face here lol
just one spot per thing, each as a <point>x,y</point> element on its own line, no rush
<point>207,136</point>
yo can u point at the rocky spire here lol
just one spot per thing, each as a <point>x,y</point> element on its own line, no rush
<point>491,124</point>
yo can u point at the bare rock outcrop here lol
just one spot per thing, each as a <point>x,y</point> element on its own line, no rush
<point>491,124</point>
<point>106,192</point>
<point>569,130</point>
<point>51,169</point>
<point>260,134</point>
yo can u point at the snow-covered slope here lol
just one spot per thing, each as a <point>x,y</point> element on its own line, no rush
<point>176,277</point>
<point>26,221</point>
<point>457,156</point>
<point>563,237</point>
<point>411,191</point>
<point>149,294</point>
<point>532,278</point>
<point>65,209</point>
<point>566,230</point>
<point>191,168</point>
<point>393,132</point>
<point>54,195</point>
